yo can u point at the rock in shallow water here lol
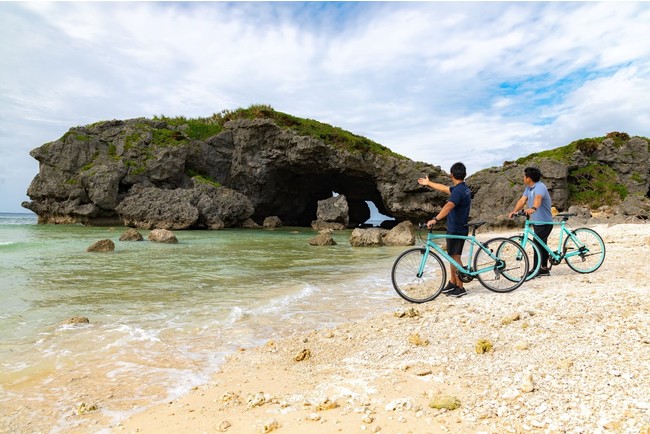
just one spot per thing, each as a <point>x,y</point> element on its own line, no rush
<point>102,246</point>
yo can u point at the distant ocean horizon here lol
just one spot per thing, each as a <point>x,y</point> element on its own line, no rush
<point>161,317</point>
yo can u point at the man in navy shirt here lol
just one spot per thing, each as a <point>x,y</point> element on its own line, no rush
<point>457,212</point>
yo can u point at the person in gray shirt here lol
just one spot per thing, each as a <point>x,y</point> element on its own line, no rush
<point>536,203</point>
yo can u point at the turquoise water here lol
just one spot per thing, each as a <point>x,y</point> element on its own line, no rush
<point>162,317</point>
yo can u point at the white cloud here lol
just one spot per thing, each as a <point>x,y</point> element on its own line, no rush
<point>480,82</point>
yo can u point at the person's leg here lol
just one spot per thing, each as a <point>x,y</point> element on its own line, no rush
<point>454,277</point>
<point>543,232</point>
<point>455,250</point>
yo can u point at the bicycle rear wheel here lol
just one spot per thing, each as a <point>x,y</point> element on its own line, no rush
<point>531,250</point>
<point>502,265</point>
<point>591,247</point>
<point>414,286</point>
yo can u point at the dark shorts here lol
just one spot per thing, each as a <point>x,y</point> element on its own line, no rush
<point>455,246</point>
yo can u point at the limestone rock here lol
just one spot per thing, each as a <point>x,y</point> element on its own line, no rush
<point>250,224</point>
<point>497,189</point>
<point>102,246</point>
<point>371,237</point>
<point>528,385</point>
<point>163,236</point>
<point>272,222</point>
<point>131,235</point>
<point>320,225</point>
<point>333,210</point>
<point>483,346</point>
<point>323,239</point>
<point>303,354</point>
<point>88,174</point>
<point>202,206</point>
<point>401,235</point>
<point>445,401</point>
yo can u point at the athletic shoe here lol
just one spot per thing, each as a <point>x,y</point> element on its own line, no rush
<point>450,287</point>
<point>544,272</point>
<point>458,292</point>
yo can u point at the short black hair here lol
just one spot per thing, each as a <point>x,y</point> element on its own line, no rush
<point>533,173</point>
<point>458,171</point>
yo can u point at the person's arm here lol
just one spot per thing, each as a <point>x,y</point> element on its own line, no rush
<point>442,214</point>
<point>440,187</point>
<point>537,202</point>
<point>521,203</point>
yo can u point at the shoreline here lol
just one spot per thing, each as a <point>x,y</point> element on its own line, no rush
<point>571,352</point>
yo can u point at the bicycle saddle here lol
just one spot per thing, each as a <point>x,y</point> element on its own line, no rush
<point>565,215</point>
<point>475,224</point>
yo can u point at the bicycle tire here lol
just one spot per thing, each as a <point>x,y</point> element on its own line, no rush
<point>592,259</point>
<point>531,250</point>
<point>414,288</point>
<point>507,265</point>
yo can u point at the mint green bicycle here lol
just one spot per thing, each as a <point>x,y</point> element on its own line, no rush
<point>500,264</point>
<point>582,249</point>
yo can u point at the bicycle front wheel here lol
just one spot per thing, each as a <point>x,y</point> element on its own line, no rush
<point>591,248</point>
<point>414,285</point>
<point>532,251</point>
<point>502,265</point>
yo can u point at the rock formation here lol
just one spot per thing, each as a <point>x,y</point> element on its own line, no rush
<point>153,173</point>
<point>607,178</point>
<point>333,213</point>
<point>191,174</point>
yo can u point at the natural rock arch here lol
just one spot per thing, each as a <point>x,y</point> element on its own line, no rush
<point>93,172</point>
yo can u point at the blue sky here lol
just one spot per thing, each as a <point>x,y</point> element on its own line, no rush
<point>478,82</point>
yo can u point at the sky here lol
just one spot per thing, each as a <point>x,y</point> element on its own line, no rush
<point>439,82</point>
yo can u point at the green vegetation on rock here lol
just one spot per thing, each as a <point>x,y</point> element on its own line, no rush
<point>328,134</point>
<point>202,178</point>
<point>197,129</point>
<point>596,185</point>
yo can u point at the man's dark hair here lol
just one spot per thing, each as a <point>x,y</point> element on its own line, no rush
<point>533,173</point>
<point>458,171</point>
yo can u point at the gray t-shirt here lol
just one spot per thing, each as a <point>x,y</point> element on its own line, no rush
<point>543,213</point>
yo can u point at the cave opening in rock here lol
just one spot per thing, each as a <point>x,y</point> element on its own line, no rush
<point>293,197</point>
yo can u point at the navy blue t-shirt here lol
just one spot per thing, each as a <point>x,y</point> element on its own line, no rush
<point>461,196</point>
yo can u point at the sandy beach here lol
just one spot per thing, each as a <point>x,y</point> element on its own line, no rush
<point>569,353</point>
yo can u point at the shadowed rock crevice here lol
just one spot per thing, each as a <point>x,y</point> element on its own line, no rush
<point>294,196</point>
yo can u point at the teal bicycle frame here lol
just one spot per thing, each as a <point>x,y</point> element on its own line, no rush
<point>419,273</point>
<point>467,271</point>
<point>576,246</point>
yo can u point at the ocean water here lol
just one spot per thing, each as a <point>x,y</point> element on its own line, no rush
<point>162,317</point>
